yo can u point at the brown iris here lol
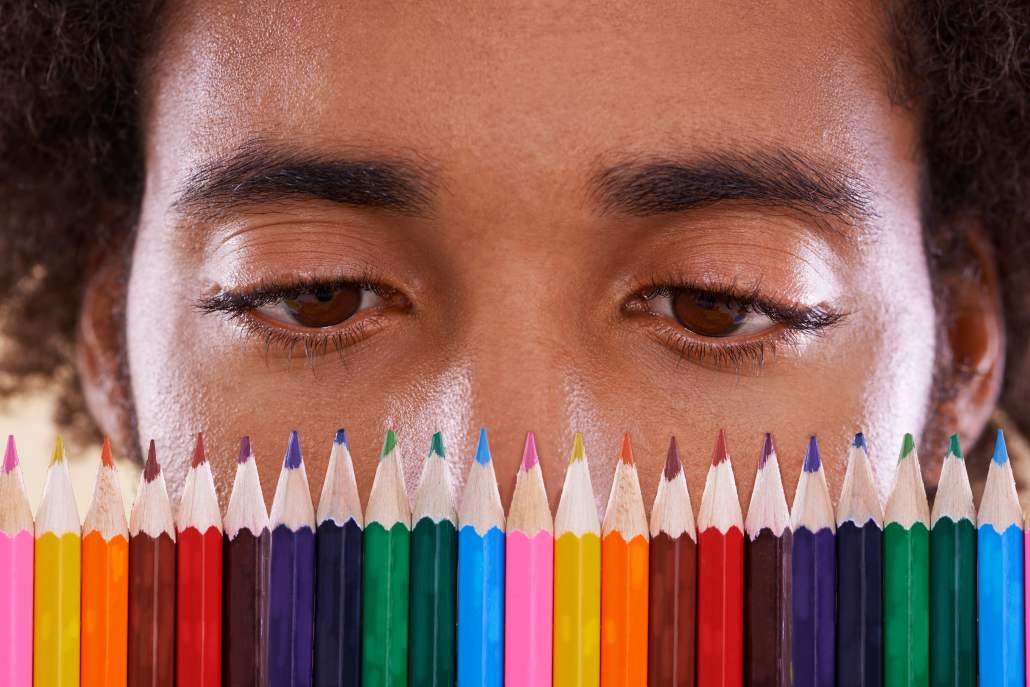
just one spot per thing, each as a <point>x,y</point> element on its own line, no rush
<point>707,314</point>
<point>325,306</point>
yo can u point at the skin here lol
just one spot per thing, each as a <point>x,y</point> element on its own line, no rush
<point>521,292</point>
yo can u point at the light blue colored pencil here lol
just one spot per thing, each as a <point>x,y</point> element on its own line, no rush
<point>481,576</point>
<point>1000,576</point>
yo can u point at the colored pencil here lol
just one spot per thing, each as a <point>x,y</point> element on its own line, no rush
<point>624,577</point>
<point>1000,574</point>
<point>434,558</point>
<point>952,576</point>
<point>105,582</point>
<point>291,577</point>
<point>17,545</point>
<point>767,576</point>
<point>814,571</point>
<point>151,581</point>
<point>58,580</point>
<point>386,571</point>
<point>672,579</point>
<point>529,577</point>
<point>720,576</point>
<point>481,575</point>
<point>198,653</point>
<point>338,573</point>
<point>906,576</point>
<point>859,574</point>
<point>577,578</point>
<point>245,572</point>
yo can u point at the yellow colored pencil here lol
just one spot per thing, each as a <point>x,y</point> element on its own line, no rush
<point>577,579</point>
<point>57,580</point>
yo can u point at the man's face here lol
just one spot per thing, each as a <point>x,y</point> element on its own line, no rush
<point>661,218</point>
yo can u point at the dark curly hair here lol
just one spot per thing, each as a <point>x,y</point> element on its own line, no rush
<point>71,166</point>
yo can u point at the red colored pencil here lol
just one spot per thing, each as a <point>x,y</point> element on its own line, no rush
<point>720,577</point>
<point>198,653</point>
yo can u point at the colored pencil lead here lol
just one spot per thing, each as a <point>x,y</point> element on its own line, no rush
<point>529,454</point>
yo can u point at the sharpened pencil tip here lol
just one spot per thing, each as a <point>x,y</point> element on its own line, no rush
<point>578,452</point>
<point>720,453</point>
<point>436,446</point>
<point>58,454</point>
<point>1001,452</point>
<point>627,450</point>
<point>859,441</point>
<point>105,453</point>
<point>483,448</point>
<point>245,452</point>
<point>813,461</point>
<point>341,437</point>
<point>907,446</point>
<point>10,455</point>
<point>199,457</point>
<point>954,447</point>
<point>152,468</point>
<point>768,449</point>
<point>293,459</point>
<point>529,455</point>
<point>389,443</point>
<point>673,466</point>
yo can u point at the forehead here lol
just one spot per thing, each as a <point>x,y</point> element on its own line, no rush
<point>511,84</point>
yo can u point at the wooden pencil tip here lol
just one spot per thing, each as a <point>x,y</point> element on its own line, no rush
<point>199,458</point>
<point>293,458</point>
<point>58,454</point>
<point>673,466</point>
<point>341,437</point>
<point>105,453</point>
<point>389,443</point>
<point>578,452</point>
<point>954,447</point>
<point>859,441</point>
<point>152,468</point>
<point>436,446</point>
<point>627,450</point>
<point>529,455</point>
<point>1001,453</point>
<point>245,450</point>
<point>483,448</point>
<point>720,453</point>
<point>908,444</point>
<point>10,455</point>
<point>813,461</point>
<point>768,449</point>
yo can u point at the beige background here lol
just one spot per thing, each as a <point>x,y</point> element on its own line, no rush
<point>29,419</point>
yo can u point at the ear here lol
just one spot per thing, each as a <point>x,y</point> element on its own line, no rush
<point>100,352</point>
<point>974,324</point>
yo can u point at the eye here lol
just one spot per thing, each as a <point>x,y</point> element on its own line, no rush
<point>709,315</point>
<point>320,307</point>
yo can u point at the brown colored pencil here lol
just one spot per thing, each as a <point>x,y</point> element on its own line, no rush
<point>672,579</point>
<point>151,652</point>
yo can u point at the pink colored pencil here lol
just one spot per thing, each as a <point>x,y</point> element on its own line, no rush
<point>17,544</point>
<point>529,577</point>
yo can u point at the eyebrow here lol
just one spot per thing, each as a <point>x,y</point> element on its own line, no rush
<point>259,173</point>
<point>780,178</point>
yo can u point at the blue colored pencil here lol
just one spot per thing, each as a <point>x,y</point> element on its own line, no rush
<point>338,573</point>
<point>481,576</point>
<point>1000,576</point>
<point>859,575</point>
<point>814,573</point>
<point>291,580</point>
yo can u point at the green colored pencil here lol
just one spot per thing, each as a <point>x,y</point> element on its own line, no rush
<point>434,561</point>
<point>953,576</point>
<point>386,565</point>
<point>906,576</point>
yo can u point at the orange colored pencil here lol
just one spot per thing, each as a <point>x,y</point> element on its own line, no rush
<point>624,577</point>
<point>105,582</point>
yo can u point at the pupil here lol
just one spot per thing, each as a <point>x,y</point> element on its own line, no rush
<point>706,314</point>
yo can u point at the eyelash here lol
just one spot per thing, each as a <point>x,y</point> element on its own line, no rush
<point>794,320</point>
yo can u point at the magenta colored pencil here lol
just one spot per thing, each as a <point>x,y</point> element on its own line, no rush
<point>17,546</point>
<point>529,577</point>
